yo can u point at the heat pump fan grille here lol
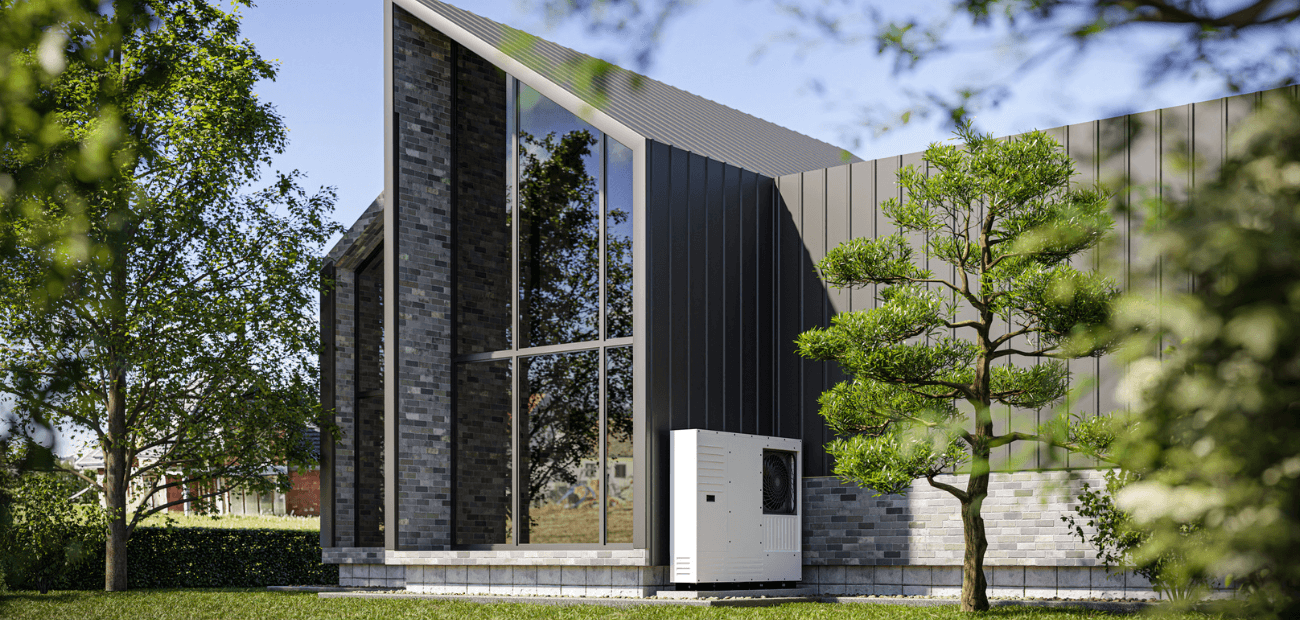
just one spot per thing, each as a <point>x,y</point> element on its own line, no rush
<point>778,482</point>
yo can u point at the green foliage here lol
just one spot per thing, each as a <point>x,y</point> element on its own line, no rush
<point>261,605</point>
<point>1116,538</point>
<point>232,522</point>
<point>185,337</point>
<point>210,558</point>
<point>182,337</point>
<point>929,362</point>
<point>1214,375</point>
<point>44,534</point>
<point>1001,213</point>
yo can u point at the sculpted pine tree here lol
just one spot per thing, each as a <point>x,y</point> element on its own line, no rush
<point>990,328</point>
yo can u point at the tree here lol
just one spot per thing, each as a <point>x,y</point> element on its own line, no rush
<point>37,40</point>
<point>927,366</point>
<point>182,341</point>
<point>1214,374</point>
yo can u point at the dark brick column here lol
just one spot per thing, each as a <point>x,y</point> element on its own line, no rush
<point>422,100</point>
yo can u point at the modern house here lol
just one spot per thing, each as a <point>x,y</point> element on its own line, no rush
<point>560,271</point>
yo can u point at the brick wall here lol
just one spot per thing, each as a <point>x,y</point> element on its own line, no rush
<point>303,499</point>
<point>844,525</point>
<point>422,83</point>
<point>357,243</point>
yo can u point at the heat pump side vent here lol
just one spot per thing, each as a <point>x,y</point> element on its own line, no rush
<point>779,482</point>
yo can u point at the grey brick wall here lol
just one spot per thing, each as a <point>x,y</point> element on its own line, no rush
<point>368,405</point>
<point>344,387</point>
<point>356,244</point>
<point>422,80</point>
<point>483,453</point>
<point>482,213</point>
<point>844,525</point>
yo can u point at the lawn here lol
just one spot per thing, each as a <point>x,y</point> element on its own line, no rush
<point>259,604</point>
<point>233,522</point>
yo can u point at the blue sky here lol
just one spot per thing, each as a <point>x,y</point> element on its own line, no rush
<point>330,85</point>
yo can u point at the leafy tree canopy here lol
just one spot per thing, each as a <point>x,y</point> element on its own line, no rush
<point>182,339</point>
<point>927,365</point>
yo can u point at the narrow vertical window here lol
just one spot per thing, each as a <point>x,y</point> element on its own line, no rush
<point>559,415</point>
<point>618,240</point>
<point>559,233</point>
<point>620,485</point>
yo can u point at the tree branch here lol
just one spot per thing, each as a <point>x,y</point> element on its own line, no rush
<point>961,495</point>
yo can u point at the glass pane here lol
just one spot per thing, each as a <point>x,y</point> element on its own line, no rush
<point>482,453</point>
<point>618,444</point>
<point>482,221</point>
<point>560,417</point>
<point>559,235</point>
<point>618,239</point>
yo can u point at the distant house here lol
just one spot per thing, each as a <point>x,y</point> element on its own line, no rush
<point>302,500</point>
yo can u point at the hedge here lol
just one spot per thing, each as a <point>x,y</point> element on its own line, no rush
<point>185,557</point>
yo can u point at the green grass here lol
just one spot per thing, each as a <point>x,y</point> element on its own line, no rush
<point>234,522</point>
<point>260,604</point>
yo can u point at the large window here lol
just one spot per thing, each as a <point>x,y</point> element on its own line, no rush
<point>543,376</point>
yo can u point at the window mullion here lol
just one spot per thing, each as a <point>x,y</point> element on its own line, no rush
<point>601,464</point>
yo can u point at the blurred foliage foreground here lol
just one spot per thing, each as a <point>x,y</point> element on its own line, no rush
<point>1213,381</point>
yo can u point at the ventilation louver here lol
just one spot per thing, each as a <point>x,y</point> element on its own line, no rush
<point>778,482</point>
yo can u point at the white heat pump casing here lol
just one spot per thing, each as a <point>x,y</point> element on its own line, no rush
<point>730,539</point>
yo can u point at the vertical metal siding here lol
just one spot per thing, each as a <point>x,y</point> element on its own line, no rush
<point>1143,155</point>
<point>716,292</point>
<point>862,222</point>
<point>766,304</point>
<point>678,362</point>
<point>789,283</point>
<point>733,291</point>
<point>697,310</point>
<point>747,260</point>
<point>814,315</point>
<point>659,346</point>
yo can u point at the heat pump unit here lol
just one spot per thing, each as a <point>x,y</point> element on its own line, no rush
<point>735,508</point>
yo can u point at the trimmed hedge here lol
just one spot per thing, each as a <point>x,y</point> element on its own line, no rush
<point>186,557</point>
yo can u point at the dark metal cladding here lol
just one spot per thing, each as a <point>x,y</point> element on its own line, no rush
<point>656,110</point>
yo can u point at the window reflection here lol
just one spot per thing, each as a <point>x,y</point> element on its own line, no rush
<point>559,237</point>
<point>618,445</point>
<point>482,453</point>
<point>560,419</point>
<point>618,240</point>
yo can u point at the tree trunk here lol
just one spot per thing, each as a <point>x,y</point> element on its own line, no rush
<point>115,500</point>
<point>974,586</point>
<point>116,468</point>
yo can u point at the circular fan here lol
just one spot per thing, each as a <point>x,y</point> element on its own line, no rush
<point>778,484</point>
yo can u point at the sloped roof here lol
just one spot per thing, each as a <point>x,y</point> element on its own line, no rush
<point>656,110</point>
